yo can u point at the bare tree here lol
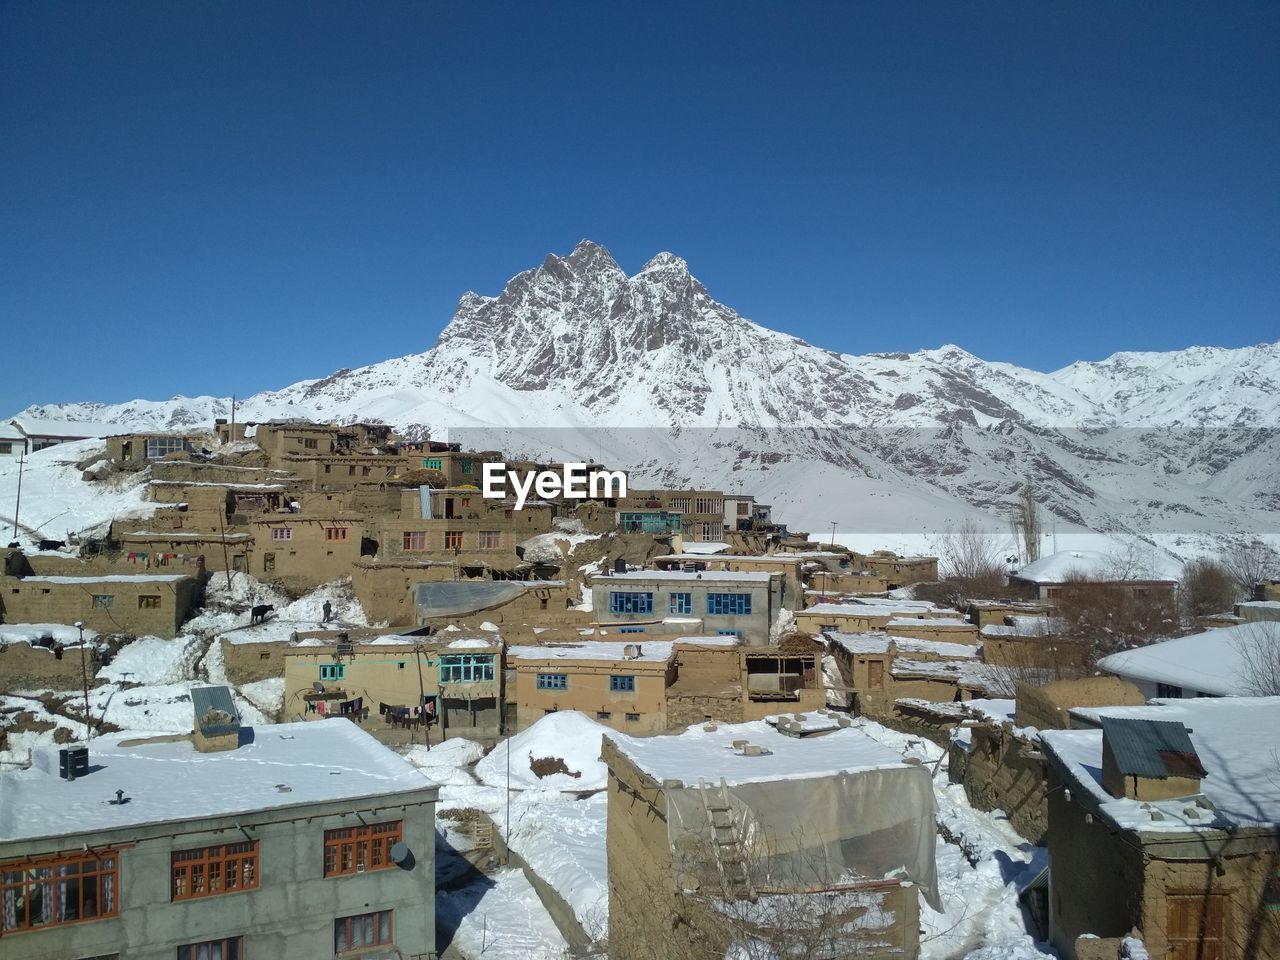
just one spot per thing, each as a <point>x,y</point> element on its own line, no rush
<point>1109,616</point>
<point>1258,646</point>
<point>1251,563</point>
<point>1027,520</point>
<point>1207,587</point>
<point>972,561</point>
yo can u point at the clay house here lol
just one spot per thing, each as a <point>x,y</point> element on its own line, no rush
<point>1034,642</point>
<point>1254,611</point>
<point>189,550</point>
<point>1049,577</point>
<point>391,684</point>
<point>138,449</point>
<point>303,550</point>
<point>162,847</point>
<point>702,512</point>
<point>622,685</point>
<point>858,616</point>
<point>214,506</point>
<point>736,684</point>
<point>228,433</point>
<point>1165,821</point>
<point>136,604</point>
<point>899,571</point>
<point>734,835</point>
<point>39,433</point>
<point>788,566</point>
<point>459,524</point>
<point>877,669</point>
<point>286,440</point>
<point>45,656</point>
<point>986,613</point>
<point>937,628</point>
<point>729,604</point>
<point>1214,663</point>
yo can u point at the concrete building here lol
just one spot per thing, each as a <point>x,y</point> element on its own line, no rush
<point>293,841</point>
<point>12,441</point>
<point>39,432</point>
<point>1165,820</point>
<point>793,569</point>
<point>731,835</point>
<point>156,604</point>
<point>729,604</point>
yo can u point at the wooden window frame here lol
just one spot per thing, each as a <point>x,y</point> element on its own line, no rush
<point>149,601</point>
<point>414,541</point>
<point>55,883</point>
<point>362,848</point>
<point>490,540</point>
<point>193,873</point>
<point>192,949</point>
<point>379,941</point>
<point>453,539</point>
<point>336,534</point>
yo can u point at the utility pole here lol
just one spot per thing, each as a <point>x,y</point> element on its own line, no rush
<point>232,435</point>
<point>422,698</point>
<point>22,457</point>
<point>84,679</point>
<point>226,561</point>
<point>833,532</point>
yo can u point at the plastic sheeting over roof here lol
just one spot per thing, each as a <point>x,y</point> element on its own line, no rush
<point>458,598</point>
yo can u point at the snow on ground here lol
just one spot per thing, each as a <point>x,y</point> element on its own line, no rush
<point>33,632</point>
<point>555,546</point>
<point>21,742</point>
<point>566,735</point>
<point>498,917</point>
<point>153,660</point>
<point>266,695</point>
<point>57,501</point>
<point>445,763</point>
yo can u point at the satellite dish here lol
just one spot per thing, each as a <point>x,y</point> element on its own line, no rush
<point>399,852</point>
<point>317,686</point>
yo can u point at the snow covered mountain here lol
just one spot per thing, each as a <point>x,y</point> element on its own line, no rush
<point>575,358</point>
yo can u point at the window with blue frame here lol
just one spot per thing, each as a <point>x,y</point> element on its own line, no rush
<point>627,601</point>
<point>631,629</point>
<point>728,604</point>
<point>466,668</point>
<point>622,684</point>
<point>680,603</point>
<point>333,671</point>
<point>553,681</point>
<point>729,633</point>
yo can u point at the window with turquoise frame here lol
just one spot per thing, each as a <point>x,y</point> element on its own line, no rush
<point>333,671</point>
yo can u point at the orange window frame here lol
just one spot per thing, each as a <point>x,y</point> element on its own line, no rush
<point>453,540</point>
<point>344,931</point>
<point>359,849</point>
<point>415,540</point>
<point>210,871</point>
<point>335,534</point>
<point>66,888</point>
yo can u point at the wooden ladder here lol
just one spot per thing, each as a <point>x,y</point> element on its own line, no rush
<point>726,845</point>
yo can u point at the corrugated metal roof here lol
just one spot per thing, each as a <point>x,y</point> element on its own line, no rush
<point>1151,748</point>
<point>215,711</point>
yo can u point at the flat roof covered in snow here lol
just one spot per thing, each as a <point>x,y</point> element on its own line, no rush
<point>1209,662</point>
<point>114,578</point>
<point>171,782</point>
<point>1061,566</point>
<point>1237,740</point>
<point>651,651</point>
<point>709,754</point>
<point>727,576</point>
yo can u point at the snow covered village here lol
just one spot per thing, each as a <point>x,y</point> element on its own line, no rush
<point>297,687</point>
<point>598,481</point>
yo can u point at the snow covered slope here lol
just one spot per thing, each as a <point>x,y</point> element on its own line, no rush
<point>651,373</point>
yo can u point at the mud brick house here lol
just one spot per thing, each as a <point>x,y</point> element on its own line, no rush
<point>306,549</point>
<point>1166,820</point>
<point>702,512</point>
<point>733,834</point>
<point>623,685</point>
<point>212,507</point>
<point>729,604</point>
<point>137,449</point>
<point>899,571</point>
<point>874,614</point>
<point>137,604</point>
<point>737,684</point>
<point>878,669</point>
<point>45,656</point>
<point>1049,577</point>
<point>986,613</point>
<point>162,848</point>
<point>182,549</point>
<point>395,681</point>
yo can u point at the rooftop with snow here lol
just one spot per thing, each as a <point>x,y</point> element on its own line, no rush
<point>1062,566</point>
<point>170,781</point>
<point>726,576</point>
<point>651,651</point>
<point>1237,740</point>
<point>1212,662</point>
<point>702,753</point>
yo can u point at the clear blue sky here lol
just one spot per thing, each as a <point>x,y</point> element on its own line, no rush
<point>228,197</point>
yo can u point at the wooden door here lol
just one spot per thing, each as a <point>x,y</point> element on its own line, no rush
<point>875,673</point>
<point>1196,926</point>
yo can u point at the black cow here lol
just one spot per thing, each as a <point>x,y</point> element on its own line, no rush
<point>52,544</point>
<point>259,613</point>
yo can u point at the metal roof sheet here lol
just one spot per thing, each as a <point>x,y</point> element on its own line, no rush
<point>1151,748</point>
